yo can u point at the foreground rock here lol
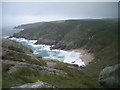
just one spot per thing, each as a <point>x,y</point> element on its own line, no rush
<point>39,84</point>
<point>109,77</point>
<point>14,51</point>
<point>17,56</point>
<point>42,69</point>
<point>13,45</point>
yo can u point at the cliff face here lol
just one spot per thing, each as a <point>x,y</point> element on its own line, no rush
<point>22,69</point>
<point>31,25</point>
<point>69,34</point>
<point>98,36</point>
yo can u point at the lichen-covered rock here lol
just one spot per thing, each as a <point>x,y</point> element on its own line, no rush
<point>109,77</point>
<point>38,84</point>
<point>42,69</point>
<point>13,45</point>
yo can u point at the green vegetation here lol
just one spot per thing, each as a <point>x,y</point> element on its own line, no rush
<point>99,36</point>
<point>42,62</point>
<point>26,75</point>
<point>7,80</point>
<point>80,33</point>
<point>15,51</point>
<point>107,56</point>
<point>17,56</point>
<point>74,79</point>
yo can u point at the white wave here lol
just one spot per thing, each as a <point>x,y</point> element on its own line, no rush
<point>73,58</point>
<point>35,52</point>
<point>18,29</point>
<point>5,36</point>
<point>70,57</point>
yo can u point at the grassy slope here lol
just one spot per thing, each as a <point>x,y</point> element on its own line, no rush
<point>103,40</point>
<point>25,75</point>
<point>76,31</point>
<point>98,35</point>
<point>105,48</point>
<point>75,79</point>
<point>24,26</point>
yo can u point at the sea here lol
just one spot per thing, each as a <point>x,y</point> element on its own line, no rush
<point>44,51</point>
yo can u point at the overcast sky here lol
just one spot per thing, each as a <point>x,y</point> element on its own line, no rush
<point>27,12</point>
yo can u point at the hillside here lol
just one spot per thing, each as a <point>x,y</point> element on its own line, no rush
<point>95,35</point>
<point>73,33</point>
<point>98,36</point>
<point>21,68</point>
<point>31,25</point>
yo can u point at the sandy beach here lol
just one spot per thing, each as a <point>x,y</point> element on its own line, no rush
<point>85,56</point>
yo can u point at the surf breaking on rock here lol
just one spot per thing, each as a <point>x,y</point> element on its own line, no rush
<point>70,57</point>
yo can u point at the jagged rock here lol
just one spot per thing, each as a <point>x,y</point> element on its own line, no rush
<point>109,77</point>
<point>23,60</point>
<point>51,64</point>
<point>31,61</point>
<point>45,41</point>
<point>42,69</point>
<point>10,36</point>
<point>13,45</point>
<point>39,84</point>
<point>64,46</point>
<point>38,56</point>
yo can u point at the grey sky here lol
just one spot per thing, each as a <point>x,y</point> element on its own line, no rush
<point>27,12</point>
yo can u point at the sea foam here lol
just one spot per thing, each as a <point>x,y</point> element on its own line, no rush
<point>43,50</point>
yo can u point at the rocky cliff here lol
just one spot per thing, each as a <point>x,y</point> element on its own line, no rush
<point>22,69</point>
<point>70,34</point>
<point>98,36</point>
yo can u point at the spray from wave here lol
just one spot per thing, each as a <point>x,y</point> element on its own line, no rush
<point>70,57</point>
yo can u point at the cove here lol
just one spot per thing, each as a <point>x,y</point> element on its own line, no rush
<point>45,52</point>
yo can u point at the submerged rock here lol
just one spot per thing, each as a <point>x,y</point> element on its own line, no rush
<point>109,77</point>
<point>38,84</point>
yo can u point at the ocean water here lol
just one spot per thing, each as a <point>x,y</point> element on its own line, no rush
<point>55,54</point>
<point>8,31</point>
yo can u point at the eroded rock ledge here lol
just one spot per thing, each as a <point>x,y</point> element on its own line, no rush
<point>42,69</point>
<point>39,84</point>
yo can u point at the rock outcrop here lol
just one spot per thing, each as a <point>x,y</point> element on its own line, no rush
<point>41,69</point>
<point>64,45</point>
<point>16,57</point>
<point>110,77</point>
<point>69,34</point>
<point>38,84</point>
<point>46,41</point>
<point>94,35</point>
